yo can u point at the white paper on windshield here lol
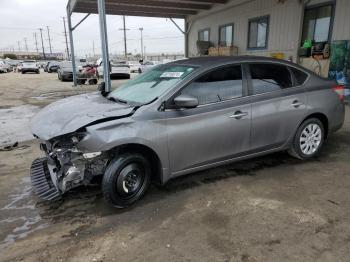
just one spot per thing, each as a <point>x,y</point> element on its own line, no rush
<point>172,74</point>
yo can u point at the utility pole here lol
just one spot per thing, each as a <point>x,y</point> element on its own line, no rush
<point>48,34</point>
<point>141,30</point>
<point>65,35</point>
<point>124,29</point>
<point>42,42</point>
<point>19,46</point>
<point>36,43</point>
<point>25,44</point>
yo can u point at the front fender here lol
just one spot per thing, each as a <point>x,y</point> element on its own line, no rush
<point>108,135</point>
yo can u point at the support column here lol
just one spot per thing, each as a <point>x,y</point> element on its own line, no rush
<point>70,30</point>
<point>104,44</point>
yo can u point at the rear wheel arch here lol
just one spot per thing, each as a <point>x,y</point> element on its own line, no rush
<point>148,153</point>
<point>323,118</point>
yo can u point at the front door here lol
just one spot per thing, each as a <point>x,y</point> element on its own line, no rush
<point>218,129</point>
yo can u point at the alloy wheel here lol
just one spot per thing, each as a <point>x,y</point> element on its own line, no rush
<point>310,139</point>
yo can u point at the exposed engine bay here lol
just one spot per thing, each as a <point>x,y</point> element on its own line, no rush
<point>65,167</point>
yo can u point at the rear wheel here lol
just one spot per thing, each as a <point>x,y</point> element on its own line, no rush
<point>126,179</point>
<point>308,139</point>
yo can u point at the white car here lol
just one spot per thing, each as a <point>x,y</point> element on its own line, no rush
<point>134,66</point>
<point>117,69</point>
<point>30,66</point>
<point>145,66</point>
<point>3,68</point>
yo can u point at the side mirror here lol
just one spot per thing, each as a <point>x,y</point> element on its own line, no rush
<point>186,101</point>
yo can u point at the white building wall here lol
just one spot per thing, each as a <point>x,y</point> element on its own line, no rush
<point>284,27</point>
<point>341,28</point>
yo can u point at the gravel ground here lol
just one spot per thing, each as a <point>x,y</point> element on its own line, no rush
<point>272,208</point>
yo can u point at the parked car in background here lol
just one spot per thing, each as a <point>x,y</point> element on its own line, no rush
<point>3,68</point>
<point>53,67</point>
<point>134,66</point>
<point>118,69</point>
<point>65,70</point>
<point>7,67</point>
<point>46,66</point>
<point>19,67</point>
<point>147,65</point>
<point>30,66</point>
<point>179,118</point>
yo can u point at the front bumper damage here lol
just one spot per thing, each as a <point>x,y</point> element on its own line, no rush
<point>42,181</point>
<point>64,168</point>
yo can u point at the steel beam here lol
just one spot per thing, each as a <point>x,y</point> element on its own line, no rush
<point>104,44</point>
<point>82,20</point>
<point>70,30</point>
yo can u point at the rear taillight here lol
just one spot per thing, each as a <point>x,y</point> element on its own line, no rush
<point>340,90</point>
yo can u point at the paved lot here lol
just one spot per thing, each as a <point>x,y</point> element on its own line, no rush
<point>273,208</point>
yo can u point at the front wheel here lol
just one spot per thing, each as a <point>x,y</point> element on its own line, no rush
<point>126,179</point>
<point>308,139</point>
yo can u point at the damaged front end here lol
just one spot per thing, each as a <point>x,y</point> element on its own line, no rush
<point>65,167</point>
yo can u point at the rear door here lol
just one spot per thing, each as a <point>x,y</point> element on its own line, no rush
<point>278,104</point>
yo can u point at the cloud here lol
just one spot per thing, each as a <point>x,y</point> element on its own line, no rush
<point>21,19</point>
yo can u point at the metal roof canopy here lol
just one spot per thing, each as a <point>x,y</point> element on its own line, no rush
<point>147,8</point>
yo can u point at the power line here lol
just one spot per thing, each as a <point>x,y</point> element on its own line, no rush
<point>48,34</point>
<point>65,35</point>
<point>25,44</point>
<point>124,29</point>
<point>36,43</point>
<point>42,42</point>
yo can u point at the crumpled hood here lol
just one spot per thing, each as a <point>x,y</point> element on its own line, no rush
<point>70,114</point>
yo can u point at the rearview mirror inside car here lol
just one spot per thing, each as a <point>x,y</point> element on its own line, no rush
<point>186,101</point>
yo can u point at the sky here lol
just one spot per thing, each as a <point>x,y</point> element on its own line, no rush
<point>20,19</point>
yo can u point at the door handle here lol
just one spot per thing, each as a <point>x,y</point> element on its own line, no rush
<point>239,114</point>
<point>296,103</point>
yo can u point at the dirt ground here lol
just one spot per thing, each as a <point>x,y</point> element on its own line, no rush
<point>272,208</point>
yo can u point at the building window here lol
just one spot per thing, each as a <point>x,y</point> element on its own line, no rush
<point>258,32</point>
<point>226,35</point>
<point>204,35</point>
<point>317,23</point>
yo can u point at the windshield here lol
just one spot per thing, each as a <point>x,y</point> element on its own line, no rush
<point>150,85</point>
<point>66,64</point>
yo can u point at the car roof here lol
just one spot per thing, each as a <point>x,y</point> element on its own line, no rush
<point>209,61</point>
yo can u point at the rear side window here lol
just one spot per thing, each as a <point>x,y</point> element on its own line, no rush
<point>269,77</point>
<point>218,85</point>
<point>299,76</point>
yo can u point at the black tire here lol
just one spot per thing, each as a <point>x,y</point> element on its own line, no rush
<point>22,72</point>
<point>128,171</point>
<point>38,72</point>
<point>296,148</point>
<point>81,81</point>
<point>140,71</point>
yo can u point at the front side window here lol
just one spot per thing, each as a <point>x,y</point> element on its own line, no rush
<point>218,85</point>
<point>226,35</point>
<point>204,35</point>
<point>151,84</point>
<point>317,23</point>
<point>258,30</point>
<point>267,78</point>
